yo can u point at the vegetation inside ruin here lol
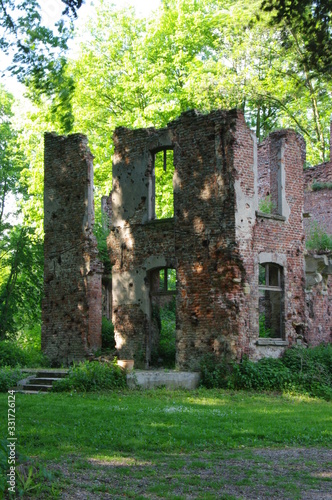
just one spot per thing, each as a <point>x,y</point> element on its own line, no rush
<point>318,239</point>
<point>318,186</point>
<point>265,205</point>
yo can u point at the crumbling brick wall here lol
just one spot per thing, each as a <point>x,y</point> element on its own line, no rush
<point>215,241</point>
<point>71,308</point>
<point>318,298</point>
<point>318,204</point>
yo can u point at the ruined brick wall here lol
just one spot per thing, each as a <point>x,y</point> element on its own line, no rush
<point>71,308</point>
<point>318,299</point>
<point>318,204</point>
<point>279,238</point>
<point>211,240</point>
<point>199,241</point>
<point>216,240</point>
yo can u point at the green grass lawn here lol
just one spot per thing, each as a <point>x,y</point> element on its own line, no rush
<point>164,444</point>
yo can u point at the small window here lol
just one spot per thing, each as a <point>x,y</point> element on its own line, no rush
<point>271,299</point>
<point>163,195</point>
<point>167,280</point>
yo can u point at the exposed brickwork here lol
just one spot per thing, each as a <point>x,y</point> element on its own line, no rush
<point>215,240</point>
<point>71,311</point>
<point>318,204</point>
<point>319,298</point>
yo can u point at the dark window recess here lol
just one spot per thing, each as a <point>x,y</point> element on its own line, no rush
<point>271,301</point>
<point>162,185</point>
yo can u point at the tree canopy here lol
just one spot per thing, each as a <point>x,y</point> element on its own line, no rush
<point>136,72</point>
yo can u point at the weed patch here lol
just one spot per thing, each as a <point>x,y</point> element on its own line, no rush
<point>92,376</point>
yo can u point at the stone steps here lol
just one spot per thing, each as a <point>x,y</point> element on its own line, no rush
<point>39,381</point>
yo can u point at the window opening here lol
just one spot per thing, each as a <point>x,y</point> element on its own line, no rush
<point>271,299</point>
<point>163,318</point>
<point>163,195</point>
<point>167,280</point>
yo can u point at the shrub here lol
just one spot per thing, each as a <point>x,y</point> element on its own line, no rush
<point>214,373</point>
<point>318,239</point>
<point>318,186</point>
<point>303,370</point>
<point>9,377</point>
<point>107,334</point>
<point>12,354</point>
<point>164,352</point>
<point>266,374</point>
<point>266,206</point>
<point>92,376</point>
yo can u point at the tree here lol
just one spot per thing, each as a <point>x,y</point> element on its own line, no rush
<point>20,249</point>
<point>38,53</point>
<point>312,19</point>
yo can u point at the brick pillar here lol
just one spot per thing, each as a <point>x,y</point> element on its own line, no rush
<point>72,304</point>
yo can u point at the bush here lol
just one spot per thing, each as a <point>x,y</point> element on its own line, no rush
<point>12,354</point>
<point>9,377</point>
<point>107,334</point>
<point>318,239</point>
<point>318,186</point>
<point>214,373</point>
<point>302,370</point>
<point>92,376</point>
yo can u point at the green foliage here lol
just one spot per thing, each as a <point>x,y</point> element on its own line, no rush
<point>300,370</point>
<point>9,377</point>
<point>30,478</point>
<point>107,334</point>
<point>266,206</point>
<point>267,374</point>
<point>92,376</point>
<point>214,373</point>
<point>311,369</point>
<point>167,345</point>
<point>264,332</point>
<point>318,239</point>
<point>318,186</point>
<point>12,354</point>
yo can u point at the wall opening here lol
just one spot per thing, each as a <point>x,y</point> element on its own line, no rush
<point>162,184</point>
<point>163,318</point>
<point>271,301</point>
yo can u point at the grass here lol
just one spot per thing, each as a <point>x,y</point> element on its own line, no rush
<point>164,443</point>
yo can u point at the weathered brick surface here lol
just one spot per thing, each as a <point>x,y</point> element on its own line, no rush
<point>71,311</point>
<point>319,312</point>
<point>215,241</point>
<point>318,204</point>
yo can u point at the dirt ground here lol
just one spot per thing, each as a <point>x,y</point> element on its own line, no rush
<point>289,473</point>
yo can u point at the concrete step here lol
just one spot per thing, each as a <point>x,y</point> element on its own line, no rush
<point>43,380</point>
<point>36,388</point>
<point>52,374</point>
<point>40,380</point>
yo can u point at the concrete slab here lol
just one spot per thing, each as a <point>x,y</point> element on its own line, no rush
<point>148,379</point>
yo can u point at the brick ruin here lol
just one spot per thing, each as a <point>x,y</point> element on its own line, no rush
<point>72,307</point>
<point>235,269</point>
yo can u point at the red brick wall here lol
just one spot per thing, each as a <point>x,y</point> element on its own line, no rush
<point>214,240</point>
<point>285,238</point>
<point>318,204</point>
<point>319,312</point>
<point>71,309</point>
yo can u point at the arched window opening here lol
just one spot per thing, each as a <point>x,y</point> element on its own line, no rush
<point>271,301</point>
<point>162,184</point>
